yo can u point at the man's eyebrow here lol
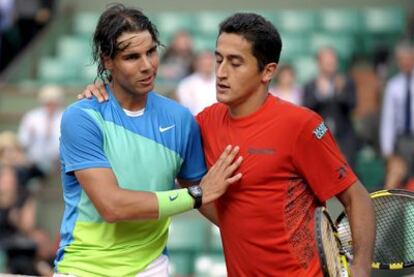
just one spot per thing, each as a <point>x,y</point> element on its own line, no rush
<point>127,51</point>
<point>231,56</point>
<point>235,57</point>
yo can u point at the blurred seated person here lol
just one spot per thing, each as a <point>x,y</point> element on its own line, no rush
<point>397,129</point>
<point>285,87</point>
<point>8,43</point>
<point>177,60</point>
<point>198,90</point>
<point>367,111</point>
<point>12,154</point>
<point>31,17</point>
<point>333,96</point>
<point>39,130</point>
<point>28,250</point>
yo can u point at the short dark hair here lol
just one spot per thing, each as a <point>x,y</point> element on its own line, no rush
<point>114,21</point>
<point>261,33</point>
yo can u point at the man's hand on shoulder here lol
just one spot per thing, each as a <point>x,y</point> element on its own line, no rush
<point>97,90</point>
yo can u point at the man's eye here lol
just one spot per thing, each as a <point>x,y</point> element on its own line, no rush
<point>151,51</point>
<point>131,57</point>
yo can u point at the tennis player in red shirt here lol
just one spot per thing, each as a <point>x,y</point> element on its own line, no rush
<point>291,163</point>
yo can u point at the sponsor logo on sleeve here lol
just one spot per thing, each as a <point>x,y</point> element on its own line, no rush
<point>320,131</point>
<point>342,171</point>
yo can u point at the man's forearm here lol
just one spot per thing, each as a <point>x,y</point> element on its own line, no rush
<point>360,212</point>
<point>362,221</point>
<point>209,211</point>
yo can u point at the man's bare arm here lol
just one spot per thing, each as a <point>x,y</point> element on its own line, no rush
<point>360,212</point>
<point>117,204</point>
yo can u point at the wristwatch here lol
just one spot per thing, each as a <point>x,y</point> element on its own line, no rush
<point>197,193</point>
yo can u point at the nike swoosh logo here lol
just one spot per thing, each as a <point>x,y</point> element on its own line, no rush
<point>173,197</point>
<point>162,130</point>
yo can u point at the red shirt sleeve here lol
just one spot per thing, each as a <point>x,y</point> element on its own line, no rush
<point>319,160</point>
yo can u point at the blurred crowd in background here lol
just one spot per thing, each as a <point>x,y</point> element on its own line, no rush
<point>368,107</point>
<point>20,22</point>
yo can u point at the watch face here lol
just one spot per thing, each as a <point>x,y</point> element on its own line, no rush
<point>196,191</point>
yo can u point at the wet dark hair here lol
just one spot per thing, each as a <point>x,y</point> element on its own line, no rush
<point>114,21</point>
<point>263,36</point>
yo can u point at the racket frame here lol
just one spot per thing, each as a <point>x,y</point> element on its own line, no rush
<point>373,195</point>
<point>319,213</point>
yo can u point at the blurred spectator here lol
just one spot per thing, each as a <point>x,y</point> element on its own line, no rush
<point>12,154</point>
<point>20,21</point>
<point>39,130</point>
<point>396,131</point>
<point>26,247</point>
<point>198,90</point>
<point>367,110</point>
<point>370,166</point>
<point>409,32</point>
<point>177,60</point>
<point>332,95</point>
<point>32,16</point>
<point>285,86</point>
<point>9,41</point>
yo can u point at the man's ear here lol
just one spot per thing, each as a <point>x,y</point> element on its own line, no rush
<point>107,62</point>
<point>269,72</point>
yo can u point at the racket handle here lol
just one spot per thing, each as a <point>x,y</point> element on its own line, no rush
<point>346,269</point>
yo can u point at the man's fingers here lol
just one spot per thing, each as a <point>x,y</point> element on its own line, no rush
<point>94,90</point>
<point>102,92</point>
<point>88,92</point>
<point>234,179</point>
<point>228,156</point>
<point>232,155</point>
<point>224,155</point>
<point>85,94</point>
<point>234,165</point>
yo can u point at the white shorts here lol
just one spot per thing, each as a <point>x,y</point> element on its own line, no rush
<point>158,267</point>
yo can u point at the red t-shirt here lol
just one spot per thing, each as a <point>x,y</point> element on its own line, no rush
<point>291,165</point>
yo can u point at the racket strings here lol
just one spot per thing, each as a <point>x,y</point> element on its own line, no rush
<point>345,236</point>
<point>394,239</point>
<point>395,219</point>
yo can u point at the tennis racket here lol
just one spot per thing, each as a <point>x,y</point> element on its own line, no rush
<point>394,244</point>
<point>332,258</point>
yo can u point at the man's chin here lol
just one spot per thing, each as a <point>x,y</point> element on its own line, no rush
<point>223,99</point>
<point>146,89</point>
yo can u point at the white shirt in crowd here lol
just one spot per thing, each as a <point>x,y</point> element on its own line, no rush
<point>393,111</point>
<point>196,92</point>
<point>39,134</point>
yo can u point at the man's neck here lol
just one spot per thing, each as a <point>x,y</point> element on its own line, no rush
<point>129,101</point>
<point>249,105</point>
